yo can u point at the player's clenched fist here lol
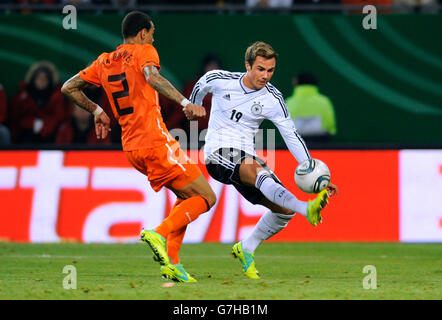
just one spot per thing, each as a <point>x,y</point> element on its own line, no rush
<point>193,111</point>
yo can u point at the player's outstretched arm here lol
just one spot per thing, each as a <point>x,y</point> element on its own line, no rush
<point>164,87</point>
<point>73,89</point>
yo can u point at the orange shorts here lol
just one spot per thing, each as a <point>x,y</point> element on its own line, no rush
<point>167,165</point>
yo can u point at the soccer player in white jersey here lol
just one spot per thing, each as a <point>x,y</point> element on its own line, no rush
<point>240,102</point>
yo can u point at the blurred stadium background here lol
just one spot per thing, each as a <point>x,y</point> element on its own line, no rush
<point>385,85</point>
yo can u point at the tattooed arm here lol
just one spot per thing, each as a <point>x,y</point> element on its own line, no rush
<point>164,87</point>
<point>73,88</point>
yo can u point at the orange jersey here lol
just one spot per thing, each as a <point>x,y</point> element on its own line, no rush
<point>134,102</point>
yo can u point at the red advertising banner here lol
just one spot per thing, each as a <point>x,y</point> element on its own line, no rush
<point>96,196</point>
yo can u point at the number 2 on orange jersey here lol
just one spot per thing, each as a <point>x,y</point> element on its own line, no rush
<point>121,94</point>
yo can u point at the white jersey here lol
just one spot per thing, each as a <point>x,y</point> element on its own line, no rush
<point>238,111</point>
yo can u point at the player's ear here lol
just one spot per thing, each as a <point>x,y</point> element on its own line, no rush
<point>142,34</point>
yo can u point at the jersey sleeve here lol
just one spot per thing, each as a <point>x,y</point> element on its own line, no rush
<point>148,56</point>
<point>201,89</point>
<point>91,73</point>
<point>281,119</point>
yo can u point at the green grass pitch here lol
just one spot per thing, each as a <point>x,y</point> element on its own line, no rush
<point>288,270</point>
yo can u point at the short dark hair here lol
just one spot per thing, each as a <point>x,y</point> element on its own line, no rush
<point>307,78</point>
<point>134,22</point>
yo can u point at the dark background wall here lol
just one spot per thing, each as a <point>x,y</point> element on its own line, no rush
<point>386,84</point>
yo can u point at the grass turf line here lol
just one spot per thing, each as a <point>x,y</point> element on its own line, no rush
<point>288,270</point>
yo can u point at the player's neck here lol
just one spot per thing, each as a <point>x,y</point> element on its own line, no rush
<point>248,83</point>
<point>133,40</point>
<point>129,41</point>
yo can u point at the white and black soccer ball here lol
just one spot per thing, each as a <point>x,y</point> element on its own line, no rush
<point>312,176</point>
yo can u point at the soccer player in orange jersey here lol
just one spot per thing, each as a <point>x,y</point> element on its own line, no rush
<point>131,79</point>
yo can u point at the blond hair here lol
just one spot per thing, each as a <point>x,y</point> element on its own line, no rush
<point>261,49</point>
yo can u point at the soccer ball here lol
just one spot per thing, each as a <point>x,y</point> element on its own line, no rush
<point>312,176</point>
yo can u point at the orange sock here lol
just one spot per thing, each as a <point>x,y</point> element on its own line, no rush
<point>177,203</point>
<point>174,241</point>
<point>183,214</point>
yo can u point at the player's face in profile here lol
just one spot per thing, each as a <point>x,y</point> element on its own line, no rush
<point>261,71</point>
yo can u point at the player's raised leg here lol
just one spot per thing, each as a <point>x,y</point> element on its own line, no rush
<point>252,173</point>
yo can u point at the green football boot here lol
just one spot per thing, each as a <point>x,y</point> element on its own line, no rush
<point>247,260</point>
<point>315,206</point>
<point>158,245</point>
<point>176,272</point>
